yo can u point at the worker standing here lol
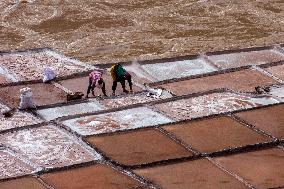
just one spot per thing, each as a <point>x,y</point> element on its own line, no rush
<point>119,74</point>
<point>96,80</point>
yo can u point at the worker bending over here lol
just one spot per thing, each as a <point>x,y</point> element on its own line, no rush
<point>119,74</point>
<point>96,80</point>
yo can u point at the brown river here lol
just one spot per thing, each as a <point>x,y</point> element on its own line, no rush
<point>105,31</point>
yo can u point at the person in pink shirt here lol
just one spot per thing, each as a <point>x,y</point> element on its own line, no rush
<point>96,80</point>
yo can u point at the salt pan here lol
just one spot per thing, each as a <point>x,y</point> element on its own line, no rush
<point>47,146</point>
<point>179,69</point>
<point>214,103</point>
<point>11,166</point>
<point>56,112</point>
<point>121,120</point>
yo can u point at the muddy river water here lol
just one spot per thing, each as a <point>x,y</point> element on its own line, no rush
<point>105,31</point>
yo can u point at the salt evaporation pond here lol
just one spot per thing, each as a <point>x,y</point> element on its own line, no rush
<point>11,166</point>
<point>210,104</point>
<point>277,91</point>
<point>114,121</point>
<point>47,146</point>
<point>178,69</point>
<point>60,111</point>
<point>30,65</point>
<point>132,99</point>
<point>234,60</point>
<point>18,119</point>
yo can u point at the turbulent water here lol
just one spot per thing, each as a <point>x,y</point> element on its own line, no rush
<point>104,31</point>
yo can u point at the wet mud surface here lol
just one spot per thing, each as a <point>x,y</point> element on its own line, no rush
<point>260,168</point>
<point>3,79</point>
<point>216,134</point>
<point>25,183</point>
<point>268,119</point>
<point>139,147</point>
<point>196,174</point>
<point>243,80</point>
<point>100,176</point>
<point>43,94</point>
<point>103,31</point>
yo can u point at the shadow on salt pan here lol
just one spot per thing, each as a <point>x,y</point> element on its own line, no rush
<point>120,120</point>
<point>210,104</point>
<point>56,112</point>
<point>179,69</point>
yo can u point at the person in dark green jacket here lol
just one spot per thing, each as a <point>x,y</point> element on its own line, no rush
<point>119,74</point>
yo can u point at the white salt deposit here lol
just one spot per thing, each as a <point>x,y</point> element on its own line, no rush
<point>278,92</point>
<point>136,68</point>
<point>3,108</point>
<point>30,65</point>
<point>56,112</point>
<point>11,166</point>
<point>47,146</point>
<point>132,99</point>
<point>235,60</point>
<point>215,103</point>
<point>121,120</point>
<point>179,69</point>
<point>9,76</point>
<point>19,119</point>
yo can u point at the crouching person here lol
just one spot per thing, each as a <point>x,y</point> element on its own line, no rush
<point>96,80</point>
<point>119,74</point>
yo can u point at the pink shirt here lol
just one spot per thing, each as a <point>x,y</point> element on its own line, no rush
<point>95,76</point>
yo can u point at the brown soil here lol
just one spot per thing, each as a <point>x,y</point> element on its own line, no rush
<point>3,79</point>
<point>215,134</point>
<point>246,58</point>
<point>196,174</point>
<point>81,85</point>
<point>263,169</point>
<point>98,176</point>
<point>43,94</point>
<point>104,31</point>
<point>244,80</point>
<point>22,183</point>
<point>277,71</point>
<point>269,119</point>
<point>139,147</point>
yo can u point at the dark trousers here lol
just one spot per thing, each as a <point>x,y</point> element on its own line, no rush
<point>91,87</point>
<point>122,82</point>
